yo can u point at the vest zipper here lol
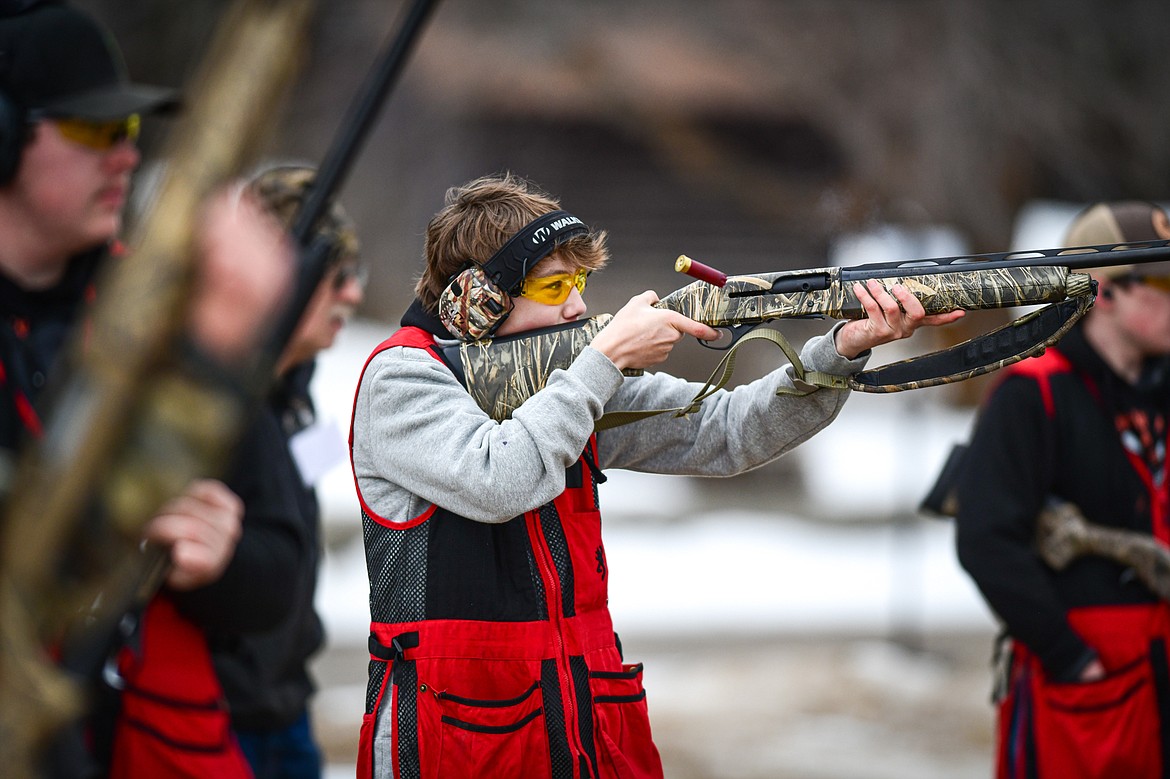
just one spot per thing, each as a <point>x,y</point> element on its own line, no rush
<point>554,604</point>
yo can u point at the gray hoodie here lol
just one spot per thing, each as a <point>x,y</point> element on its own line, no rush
<point>419,438</point>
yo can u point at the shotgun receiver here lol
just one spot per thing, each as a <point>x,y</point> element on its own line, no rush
<point>502,373</point>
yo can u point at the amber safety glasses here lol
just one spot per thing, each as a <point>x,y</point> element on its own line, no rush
<point>99,135</point>
<point>350,271</point>
<point>555,289</point>
<point>1160,283</point>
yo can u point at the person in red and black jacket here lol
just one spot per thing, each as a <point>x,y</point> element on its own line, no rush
<point>69,117</point>
<point>1087,689</point>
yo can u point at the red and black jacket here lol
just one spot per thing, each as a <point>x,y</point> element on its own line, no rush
<point>34,328</point>
<point>1064,424</point>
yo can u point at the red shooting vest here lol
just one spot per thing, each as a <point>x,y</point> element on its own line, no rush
<point>173,720</point>
<point>492,652</point>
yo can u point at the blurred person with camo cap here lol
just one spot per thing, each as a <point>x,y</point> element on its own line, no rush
<point>1084,687</point>
<point>265,674</point>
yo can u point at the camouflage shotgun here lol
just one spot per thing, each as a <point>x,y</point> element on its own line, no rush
<point>1063,534</point>
<point>502,373</point>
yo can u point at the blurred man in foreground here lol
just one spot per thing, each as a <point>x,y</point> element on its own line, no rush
<point>69,117</point>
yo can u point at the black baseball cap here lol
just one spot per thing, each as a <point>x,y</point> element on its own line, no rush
<point>57,61</point>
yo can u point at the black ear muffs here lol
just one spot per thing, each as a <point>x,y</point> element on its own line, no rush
<point>13,116</point>
<point>13,134</point>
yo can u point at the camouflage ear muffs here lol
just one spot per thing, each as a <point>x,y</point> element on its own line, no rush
<point>472,306</point>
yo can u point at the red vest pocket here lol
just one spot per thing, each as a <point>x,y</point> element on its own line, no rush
<point>1106,729</point>
<point>481,718</point>
<point>173,720</point>
<point>624,747</point>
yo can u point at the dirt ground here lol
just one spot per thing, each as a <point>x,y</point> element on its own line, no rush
<point>775,707</point>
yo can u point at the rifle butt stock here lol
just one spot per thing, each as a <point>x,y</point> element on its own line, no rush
<point>502,373</point>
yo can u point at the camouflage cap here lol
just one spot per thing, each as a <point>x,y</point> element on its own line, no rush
<point>282,189</point>
<point>1120,222</point>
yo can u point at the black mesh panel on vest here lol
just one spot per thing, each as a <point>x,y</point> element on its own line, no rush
<point>479,570</point>
<point>584,695</point>
<point>554,721</point>
<point>554,535</point>
<point>397,561</point>
<point>406,682</point>
<point>537,585</point>
<point>377,674</point>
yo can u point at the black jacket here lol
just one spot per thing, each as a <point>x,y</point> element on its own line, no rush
<point>265,674</point>
<point>1019,454</point>
<point>34,329</point>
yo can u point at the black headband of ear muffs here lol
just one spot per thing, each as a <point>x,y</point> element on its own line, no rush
<point>535,241</point>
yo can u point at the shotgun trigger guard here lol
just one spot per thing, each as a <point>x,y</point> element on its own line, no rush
<point>729,336</point>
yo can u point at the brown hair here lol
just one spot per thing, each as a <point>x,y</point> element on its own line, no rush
<point>478,218</point>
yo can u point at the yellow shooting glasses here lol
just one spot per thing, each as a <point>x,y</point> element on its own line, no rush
<point>555,289</point>
<point>99,136</point>
<point>350,271</point>
<point>1160,283</point>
